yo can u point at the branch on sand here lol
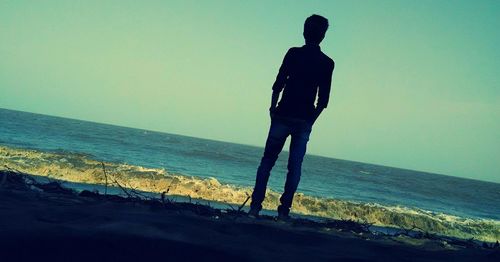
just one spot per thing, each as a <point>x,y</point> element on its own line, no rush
<point>237,212</point>
<point>106,179</point>
<point>15,179</point>
<point>131,193</point>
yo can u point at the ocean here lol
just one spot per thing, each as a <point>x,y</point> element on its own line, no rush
<point>222,171</point>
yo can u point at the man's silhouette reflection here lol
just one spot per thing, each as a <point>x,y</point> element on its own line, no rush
<point>305,73</point>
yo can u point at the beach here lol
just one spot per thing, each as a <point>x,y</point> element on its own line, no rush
<point>47,222</point>
<point>91,174</point>
<point>93,191</point>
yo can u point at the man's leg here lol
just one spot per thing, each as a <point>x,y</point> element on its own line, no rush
<point>300,137</point>
<point>276,138</point>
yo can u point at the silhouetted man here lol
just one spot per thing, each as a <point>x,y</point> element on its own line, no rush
<point>305,73</point>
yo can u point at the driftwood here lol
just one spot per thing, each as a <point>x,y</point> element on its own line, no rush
<point>131,192</point>
<point>242,205</point>
<point>14,179</point>
<point>116,182</point>
<point>105,178</point>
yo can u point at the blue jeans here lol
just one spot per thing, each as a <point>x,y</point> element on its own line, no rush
<point>279,131</point>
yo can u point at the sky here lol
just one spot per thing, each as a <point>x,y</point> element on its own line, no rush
<point>416,83</point>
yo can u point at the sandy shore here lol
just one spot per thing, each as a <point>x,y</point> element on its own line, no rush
<point>50,224</point>
<point>81,169</point>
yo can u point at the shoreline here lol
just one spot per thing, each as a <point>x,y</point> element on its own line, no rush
<point>78,168</point>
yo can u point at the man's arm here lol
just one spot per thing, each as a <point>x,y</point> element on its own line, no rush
<point>324,92</point>
<point>280,82</point>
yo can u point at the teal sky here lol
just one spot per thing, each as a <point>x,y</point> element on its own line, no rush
<point>416,83</point>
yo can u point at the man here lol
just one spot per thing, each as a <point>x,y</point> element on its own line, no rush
<point>305,73</point>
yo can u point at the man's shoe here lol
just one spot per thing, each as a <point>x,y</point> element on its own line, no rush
<point>283,213</point>
<point>253,213</point>
<point>283,217</point>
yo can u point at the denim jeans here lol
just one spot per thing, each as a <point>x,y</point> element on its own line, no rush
<point>279,131</point>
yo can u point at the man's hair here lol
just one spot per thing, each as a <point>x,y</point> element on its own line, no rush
<point>315,28</point>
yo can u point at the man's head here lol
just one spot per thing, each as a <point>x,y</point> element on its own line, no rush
<point>314,29</point>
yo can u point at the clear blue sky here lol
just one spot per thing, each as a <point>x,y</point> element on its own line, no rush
<point>416,83</point>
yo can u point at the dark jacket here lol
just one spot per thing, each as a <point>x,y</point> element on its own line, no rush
<point>306,72</point>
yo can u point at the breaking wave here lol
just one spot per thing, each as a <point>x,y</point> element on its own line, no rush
<point>82,168</point>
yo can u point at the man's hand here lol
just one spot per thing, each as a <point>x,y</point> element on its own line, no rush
<point>272,110</point>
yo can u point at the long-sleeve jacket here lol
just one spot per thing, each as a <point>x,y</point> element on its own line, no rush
<point>305,72</point>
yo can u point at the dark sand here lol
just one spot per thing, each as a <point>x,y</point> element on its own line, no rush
<point>37,225</point>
